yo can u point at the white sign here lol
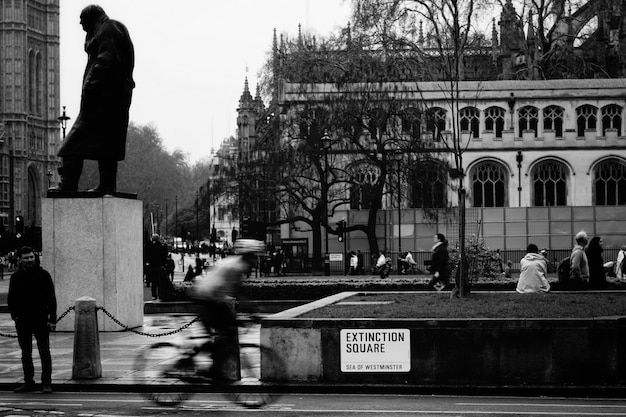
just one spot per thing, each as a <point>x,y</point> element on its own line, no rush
<point>375,350</point>
<point>335,257</point>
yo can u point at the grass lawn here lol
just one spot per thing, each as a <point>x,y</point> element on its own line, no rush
<point>477,305</point>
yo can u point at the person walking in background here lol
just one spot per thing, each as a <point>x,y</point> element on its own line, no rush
<point>597,275</point>
<point>360,269</point>
<point>170,267</point>
<point>354,263</point>
<point>533,270</point>
<point>620,264</point>
<point>579,265</point>
<point>440,263</point>
<point>33,306</point>
<point>156,257</point>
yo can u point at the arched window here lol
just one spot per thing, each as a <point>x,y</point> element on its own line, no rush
<point>470,120</point>
<point>362,191</point>
<point>429,185</point>
<point>609,182</point>
<point>38,85</point>
<point>528,119</point>
<point>586,118</point>
<point>436,122</point>
<point>412,122</point>
<point>612,118</point>
<point>377,122</point>
<point>32,89</point>
<point>489,182</point>
<point>549,180</point>
<point>553,119</point>
<point>494,120</point>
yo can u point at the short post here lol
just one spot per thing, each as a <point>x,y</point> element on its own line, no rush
<point>86,363</point>
<point>232,366</point>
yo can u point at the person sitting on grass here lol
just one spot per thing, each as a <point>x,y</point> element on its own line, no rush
<point>533,270</point>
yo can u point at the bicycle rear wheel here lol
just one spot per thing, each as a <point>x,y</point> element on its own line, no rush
<point>161,369</point>
<point>259,365</point>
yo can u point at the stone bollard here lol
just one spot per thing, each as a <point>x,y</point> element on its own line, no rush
<point>86,363</point>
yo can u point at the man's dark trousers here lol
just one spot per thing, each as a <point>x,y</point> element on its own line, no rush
<point>25,332</point>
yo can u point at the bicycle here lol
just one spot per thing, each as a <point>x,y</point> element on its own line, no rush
<point>184,365</point>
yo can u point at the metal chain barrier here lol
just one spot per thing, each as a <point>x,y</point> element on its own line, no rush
<point>126,328</point>
<point>119,323</point>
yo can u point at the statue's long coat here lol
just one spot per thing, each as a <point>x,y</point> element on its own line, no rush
<point>99,131</point>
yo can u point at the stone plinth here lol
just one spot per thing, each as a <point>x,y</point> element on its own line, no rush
<point>92,247</point>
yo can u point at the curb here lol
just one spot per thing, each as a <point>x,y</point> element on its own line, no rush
<point>618,391</point>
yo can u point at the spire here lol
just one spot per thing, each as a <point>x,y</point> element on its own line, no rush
<point>275,43</point>
<point>299,36</point>
<point>258,101</point>
<point>246,97</point>
<point>530,33</point>
<point>348,36</point>
<point>282,43</point>
<point>494,34</point>
<point>420,38</point>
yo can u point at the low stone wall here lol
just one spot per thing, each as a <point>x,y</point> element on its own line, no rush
<point>512,352</point>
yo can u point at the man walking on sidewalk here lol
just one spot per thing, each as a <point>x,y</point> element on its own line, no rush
<point>33,307</point>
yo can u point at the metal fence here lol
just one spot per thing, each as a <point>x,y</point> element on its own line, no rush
<point>423,259</point>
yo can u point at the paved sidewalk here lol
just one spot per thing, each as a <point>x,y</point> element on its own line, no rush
<point>117,352</point>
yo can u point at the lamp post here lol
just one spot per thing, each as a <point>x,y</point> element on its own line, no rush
<point>397,156</point>
<point>166,220</point>
<point>326,144</point>
<point>519,158</point>
<point>197,223</point>
<point>63,118</point>
<point>176,221</point>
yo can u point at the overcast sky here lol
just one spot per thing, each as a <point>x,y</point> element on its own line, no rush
<point>191,58</point>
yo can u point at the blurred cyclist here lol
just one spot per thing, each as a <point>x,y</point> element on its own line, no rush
<point>215,294</point>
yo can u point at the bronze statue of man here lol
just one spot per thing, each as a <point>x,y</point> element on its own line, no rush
<point>99,132</point>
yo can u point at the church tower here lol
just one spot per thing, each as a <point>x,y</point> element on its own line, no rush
<point>29,108</point>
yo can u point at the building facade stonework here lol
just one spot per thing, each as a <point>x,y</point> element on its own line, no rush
<point>29,107</point>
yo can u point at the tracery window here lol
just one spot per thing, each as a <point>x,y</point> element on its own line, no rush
<point>489,182</point>
<point>612,118</point>
<point>362,191</point>
<point>610,183</point>
<point>436,122</point>
<point>586,118</point>
<point>528,119</point>
<point>494,120</point>
<point>429,185</point>
<point>549,180</point>
<point>553,119</point>
<point>412,122</point>
<point>470,120</point>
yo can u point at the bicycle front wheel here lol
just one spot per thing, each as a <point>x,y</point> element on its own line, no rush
<point>259,367</point>
<point>161,368</point>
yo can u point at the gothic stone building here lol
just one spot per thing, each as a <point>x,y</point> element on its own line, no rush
<point>545,150</point>
<point>29,107</point>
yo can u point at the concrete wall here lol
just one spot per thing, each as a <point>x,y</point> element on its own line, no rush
<point>460,351</point>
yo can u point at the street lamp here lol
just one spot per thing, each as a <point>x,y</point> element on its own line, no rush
<point>519,158</point>
<point>63,118</point>
<point>397,156</point>
<point>326,145</point>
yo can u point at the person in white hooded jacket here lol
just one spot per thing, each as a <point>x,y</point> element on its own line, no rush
<point>533,270</point>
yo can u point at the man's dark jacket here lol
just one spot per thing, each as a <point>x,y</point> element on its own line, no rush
<point>101,126</point>
<point>31,296</point>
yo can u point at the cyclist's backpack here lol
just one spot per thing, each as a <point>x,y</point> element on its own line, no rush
<point>563,270</point>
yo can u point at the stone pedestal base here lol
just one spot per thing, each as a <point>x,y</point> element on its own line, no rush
<point>93,247</point>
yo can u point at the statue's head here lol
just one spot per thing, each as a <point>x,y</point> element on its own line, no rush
<point>90,16</point>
